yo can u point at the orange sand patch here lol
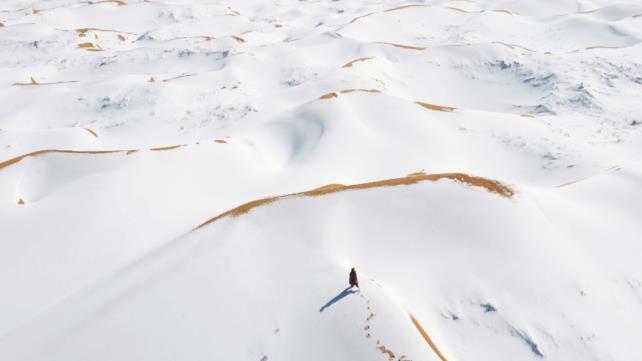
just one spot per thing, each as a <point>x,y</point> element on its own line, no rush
<point>349,65</point>
<point>278,25</point>
<point>439,108</point>
<point>488,184</point>
<point>121,37</point>
<point>388,10</point>
<point>328,96</point>
<point>405,7</point>
<point>36,11</point>
<point>329,187</point>
<point>345,91</point>
<point>17,159</point>
<point>410,47</point>
<point>117,2</point>
<point>83,31</point>
<point>386,351</point>
<point>21,202</point>
<point>221,141</point>
<point>151,80</point>
<point>91,132</point>
<point>34,82</point>
<point>238,39</point>
<point>90,46</point>
<point>1,24</point>
<point>424,334</point>
<point>159,149</point>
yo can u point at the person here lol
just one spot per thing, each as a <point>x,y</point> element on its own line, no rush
<point>353,278</point>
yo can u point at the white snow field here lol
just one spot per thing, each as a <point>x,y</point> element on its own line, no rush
<point>193,180</point>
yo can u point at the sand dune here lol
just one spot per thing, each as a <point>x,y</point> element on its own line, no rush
<point>187,180</point>
<point>489,185</point>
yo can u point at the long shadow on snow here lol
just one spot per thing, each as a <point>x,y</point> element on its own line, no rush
<point>337,298</point>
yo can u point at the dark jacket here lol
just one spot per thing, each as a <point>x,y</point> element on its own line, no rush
<point>353,278</point>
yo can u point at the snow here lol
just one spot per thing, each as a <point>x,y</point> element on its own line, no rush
<point>160,165</point>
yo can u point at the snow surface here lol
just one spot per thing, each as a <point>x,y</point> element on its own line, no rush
<point>133,134</point>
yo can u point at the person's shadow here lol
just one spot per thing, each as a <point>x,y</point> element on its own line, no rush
<point>337,298</point>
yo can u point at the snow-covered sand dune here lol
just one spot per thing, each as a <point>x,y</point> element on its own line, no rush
<point>194,179</point>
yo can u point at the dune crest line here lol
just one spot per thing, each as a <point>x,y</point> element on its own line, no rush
<point>17,159</point>
<point>490,185</point>
<point>424,334</point>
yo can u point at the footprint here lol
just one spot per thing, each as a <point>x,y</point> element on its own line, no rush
<point>366,328</point>
<point>385,350</point>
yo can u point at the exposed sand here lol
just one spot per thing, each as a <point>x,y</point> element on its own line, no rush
<point>33,82</point>
<point>159,149</point>
<point>17,159</point>
<point>439,108</point>
<point>92,132</point>
<point>89,46</point>
<point>117,2</point>
<point>489,184</point>
<point>430,342</point>
<point>386,351</point>
<point>83,31</point>
<point>346,91</point>
<point>405,7</point>
<point>328,96</point>
<point>349,64</point>
<point>403,46</point>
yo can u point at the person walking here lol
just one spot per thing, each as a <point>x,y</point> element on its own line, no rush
<point>353,278</point>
